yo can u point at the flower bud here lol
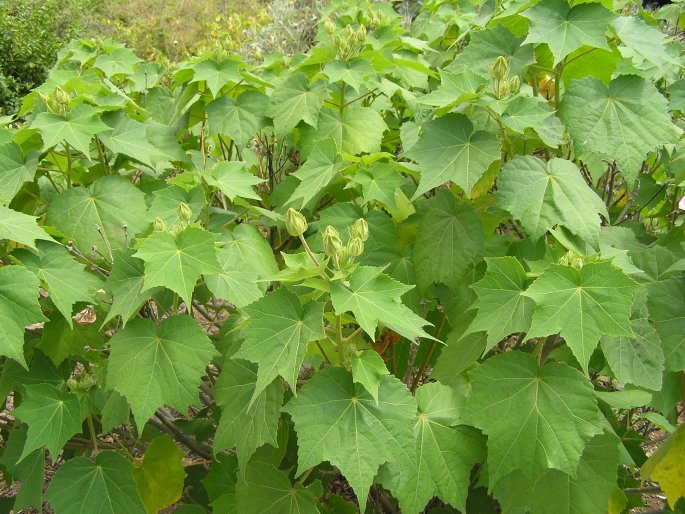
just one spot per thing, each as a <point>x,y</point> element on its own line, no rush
<point>503,89</point>
<point>514,84</point>
<point>329,26</point>
<point>499,69</point>
<point>295,223</point>
<point>61,96</point>
<point>349,32</point>
<point>72,384</point>
<point>360,229</point>
<point>159,225</point>
<point>355,247</point>
<point>332,244</point>
<point>361,34</point>
<point>185,213</point>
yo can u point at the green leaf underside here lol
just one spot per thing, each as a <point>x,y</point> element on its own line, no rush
<point>153,365</point>
<point>543,195</point>
<point>246,424</point>
<point>374,297</point>
<point>582,305</point>
<point>340,422</point>
<point>53,417</point>
<point>449,149</point>
<point>277,336</point>
<point>178,262</point>
<point>105,486</point>
<point>535,418</point>
<point>503,308</point>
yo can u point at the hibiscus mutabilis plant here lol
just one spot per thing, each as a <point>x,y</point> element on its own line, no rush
<point>427,268</point>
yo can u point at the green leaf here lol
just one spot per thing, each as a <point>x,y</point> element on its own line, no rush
<point>340,422</point>
<point>543,195</point>
<point>623,121</point>
<point>666,303</point>
<point>535,418</point>
<point>153,365</point>
<point>53,416</point>
<point>444,453</point>
<point>357,130</point>
<point>379,183</point>
<point>267,489</point>
<point>119,60</point>
<point>454,89</point>
<point>587,490</point>
<point>318,170</point>
<point>277,336</point>
<point>61,340</point>
<point>246,425</point>
<point>160,475</point>
<point>374,297</point>
<point>19,308</point>
<point>77,128</point>
<point>105,486</point>
<point>216,74</point>
<point>240,119</point>
<point>565,28</point>
<point>111,203</point>
<point>368,369</point>
<point>30,471</point>
<point>450,239</point>
<point>126,284</point>
<point>295,100</point>
<point>21,228</point>
<point>65,279</point>
<point>636,360</point>
<point>666,466</point>
<point>233,179</point>
<point>246,260</point>
<point>524,112</point>
<point>15,170</point>
<point>178,261</point>
<point>643,42</point>
<point>448,149</point>
<point>503,308</point>
<point>582,305</point>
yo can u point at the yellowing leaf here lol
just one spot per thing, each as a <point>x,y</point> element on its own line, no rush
<point>666,466</point>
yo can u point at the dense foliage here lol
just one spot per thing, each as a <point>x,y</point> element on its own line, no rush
<point>426,268</point>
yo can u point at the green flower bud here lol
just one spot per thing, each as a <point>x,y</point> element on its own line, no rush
<point>332,244</point>
<point>503,89</point>
<point>185,213</point>
<point>499,69</point>
<point>514,84</point>
<point>361,34</point>
<point>61,96</point>
<point>159,225</point>
<point>329,26</point>
<point>349,32</point>
<point>355,247</point>
<point>360,229</point>
<point>72,384</point>
<point>295,223</point>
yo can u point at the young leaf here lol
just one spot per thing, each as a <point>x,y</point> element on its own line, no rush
<point>623,121</point>
<point>340,422</point>
<point>535,418</point>
<point>295,100</point>
<point>160,476</point>
<point>450,239</point>
<point>105,486</point>
<point>368,369</point>
<point>243,426</point>
<point>21,228</point>
<point>277,336</point>
<point>63,277</point>
<point>233,180</point>
<point>542,195</point>
<point>636,360</point>
<point>153,365</point>
<point>178,261</point>
<point>267,489</point>
<point>667,310</point>
<point>582,305</point>
<point>503,308</point>
<point>77,128</point>
<point>448,149</point>
<point>316,173</point>
<point>565,28</point>
<point>111,203</point>
<point>19,308</point>
<point>375,297</point>
<point>53,416</point>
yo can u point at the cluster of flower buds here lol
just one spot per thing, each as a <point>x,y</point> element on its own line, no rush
<point>333,245</point>
<point>502,84</point>
<point>57,102</point>
<point>185,216</point>
<point>375,19</point>
<point>572,259</point>
<point>349,43</point>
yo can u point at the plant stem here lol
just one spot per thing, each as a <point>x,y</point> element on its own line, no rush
<point>427,357</point>
<point>309,251</point>
<point>93,434</point>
